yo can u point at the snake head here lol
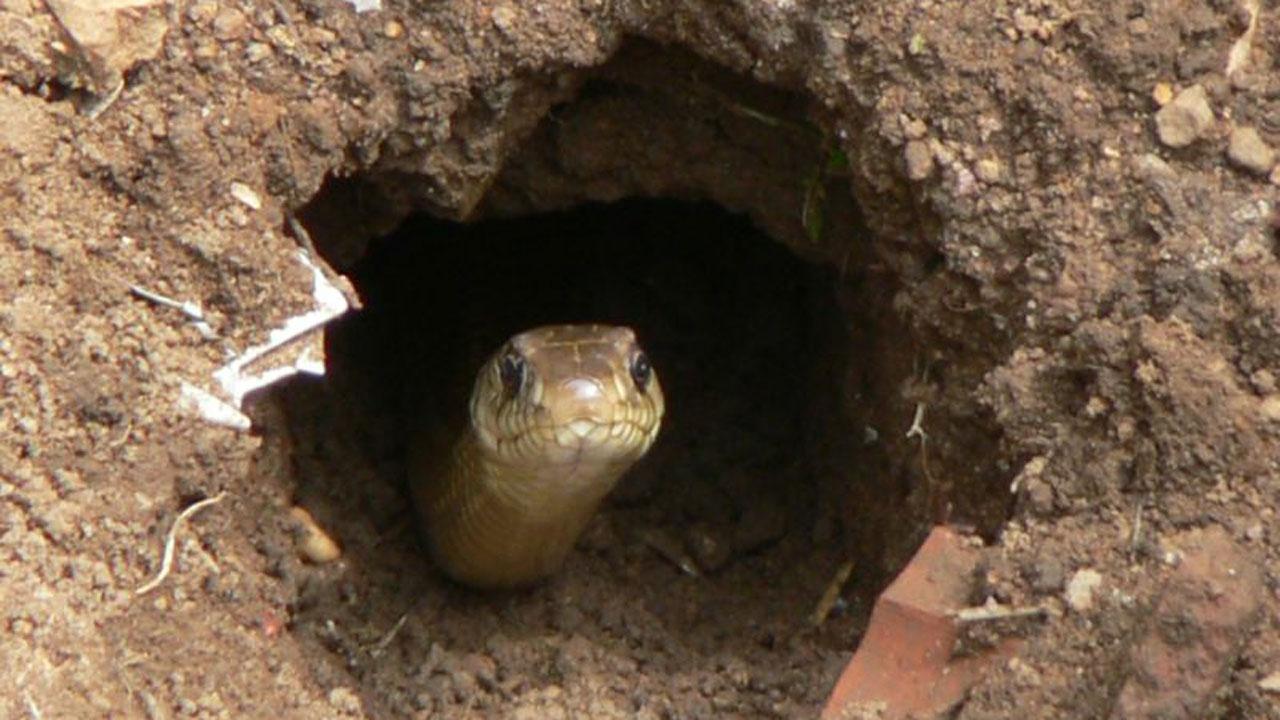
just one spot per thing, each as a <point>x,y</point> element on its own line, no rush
<point>568,394</point>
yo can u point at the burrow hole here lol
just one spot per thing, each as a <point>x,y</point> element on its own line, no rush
<point>693,590</point>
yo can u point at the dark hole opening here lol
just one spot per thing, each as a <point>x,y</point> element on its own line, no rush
<point>749,485</point>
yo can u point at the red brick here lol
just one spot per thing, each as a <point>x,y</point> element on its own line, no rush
<point>903,667</point>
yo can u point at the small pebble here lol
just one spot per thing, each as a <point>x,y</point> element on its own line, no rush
<point>919,160</point>
<point>344,700</point>
<point>1185,118</point>
<point>1040,496</point>
<point>988,170</point>
<point>246,195</point>
<point>1162,93</point>
<point>1264,381</point>
<point>1248,151</point>
<point>1271,683</point>
<point>913,129</point>
<point>1270,408</point>
<point>314,544</point>
<point>1079,593</point>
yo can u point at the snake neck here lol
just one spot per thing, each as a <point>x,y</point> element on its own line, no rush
<point>497,523</point>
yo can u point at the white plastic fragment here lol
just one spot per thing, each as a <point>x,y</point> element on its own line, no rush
<point>211,409</point>
<point>242,375</point>
<point>190,309</point>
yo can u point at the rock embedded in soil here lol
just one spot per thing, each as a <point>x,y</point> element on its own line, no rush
<point>1270,408</point>
<point>1079,593</point>
<point>1205,614</point>
<point>919,159</point>
<point>1247,150</point>
<point>109,37</point>
<point>1185,119</point>
<point>314,544</point>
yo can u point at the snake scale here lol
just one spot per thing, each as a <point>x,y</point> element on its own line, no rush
<point>556,416</point>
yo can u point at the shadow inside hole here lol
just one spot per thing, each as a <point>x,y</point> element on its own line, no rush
<point>736,327</point>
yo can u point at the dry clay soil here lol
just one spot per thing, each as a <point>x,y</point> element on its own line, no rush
<point>1083,320</point>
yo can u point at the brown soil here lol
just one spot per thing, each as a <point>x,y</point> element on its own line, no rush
<point>840,220</point>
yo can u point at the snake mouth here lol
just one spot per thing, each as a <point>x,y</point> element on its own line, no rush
<point>583,428</point>
<point>596,439</point>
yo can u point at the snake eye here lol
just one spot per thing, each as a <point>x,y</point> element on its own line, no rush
<point>641,371</point>
<point>511,369</point>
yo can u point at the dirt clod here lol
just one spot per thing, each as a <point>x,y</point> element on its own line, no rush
<point>1185,118</point>
<point>1081,588</point>
<point>1249,151</point>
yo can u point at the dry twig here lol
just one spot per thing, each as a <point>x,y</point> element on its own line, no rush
<point>988,614</point>
<point>832,593</point>
<point>166,562</point>
<point>382,644</point>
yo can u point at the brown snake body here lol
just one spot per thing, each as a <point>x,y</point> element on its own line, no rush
<point>557,415</point>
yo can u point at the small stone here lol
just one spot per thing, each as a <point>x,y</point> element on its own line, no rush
<point>1162,93</point>
<point>1254,532</point>
<point>109,38</point>
<point>919,160</point>
<point>1040,496</point>
<point>1270,408</point>
<point>1079,593</point>
<point>1185,118</point>
<point>256,52</point>
<point>230,24</point>
<point>1250,152</point>
<point>504,18</point>
<point>1264,381</point>
<point>988,170</point>
<point>246,195</point>
<point>392,29</point>
<point>1271,683</point>
<point>211,703</point>
<point>314,544</point>
<point>344,700</point>
<point>913,129</point>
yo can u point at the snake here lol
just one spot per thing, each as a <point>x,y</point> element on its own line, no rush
<point>556,416</point>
